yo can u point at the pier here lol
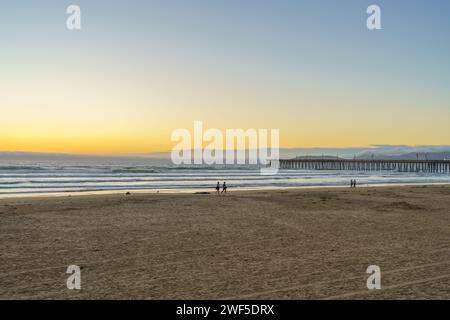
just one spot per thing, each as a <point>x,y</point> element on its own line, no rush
<point>430,166</point>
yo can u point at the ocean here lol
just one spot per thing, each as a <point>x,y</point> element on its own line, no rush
<point>110,175</point>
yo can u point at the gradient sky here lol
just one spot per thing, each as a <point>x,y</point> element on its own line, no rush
<point>140,69</point>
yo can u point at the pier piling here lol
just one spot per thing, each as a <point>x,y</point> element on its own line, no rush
<point>430,166</point>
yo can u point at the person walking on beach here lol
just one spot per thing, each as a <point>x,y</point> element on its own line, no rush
<point>218,187</point>
<point>354,183</point>
<point>351,183</point>
<point>224,187</point>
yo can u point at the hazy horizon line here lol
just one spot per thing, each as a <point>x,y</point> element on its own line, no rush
<point>375,147</point>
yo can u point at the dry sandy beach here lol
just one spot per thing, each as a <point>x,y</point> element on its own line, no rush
<point>294,244</point>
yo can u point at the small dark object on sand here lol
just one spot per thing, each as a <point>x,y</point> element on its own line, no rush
<point>128,193</point>
<point>202,192</point>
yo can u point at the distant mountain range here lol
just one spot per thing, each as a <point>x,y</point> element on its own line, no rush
<point>409,156</point>
<point>369,156</point>
<point>387,152</point>
<point>324,157</point>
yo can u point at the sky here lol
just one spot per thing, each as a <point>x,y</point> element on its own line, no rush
<point>138,70</point>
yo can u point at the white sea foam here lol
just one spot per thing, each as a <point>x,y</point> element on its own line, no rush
<point>95,176</point>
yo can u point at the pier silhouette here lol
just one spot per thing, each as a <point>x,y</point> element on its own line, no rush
<point>431,166</point>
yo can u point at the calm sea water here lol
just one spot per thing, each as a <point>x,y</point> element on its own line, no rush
<point>28,177</point>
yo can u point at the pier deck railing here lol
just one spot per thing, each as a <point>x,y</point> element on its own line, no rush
<point>433,166</point>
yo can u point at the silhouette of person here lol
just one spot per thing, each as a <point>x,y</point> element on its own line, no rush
<point>354,183</point>
<point>224,187</point>
<point>218,187</point>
